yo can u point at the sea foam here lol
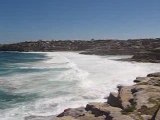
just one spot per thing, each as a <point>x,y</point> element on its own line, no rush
<point>67,80</point>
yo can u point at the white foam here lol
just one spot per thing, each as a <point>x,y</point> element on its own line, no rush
<point>88,78</point>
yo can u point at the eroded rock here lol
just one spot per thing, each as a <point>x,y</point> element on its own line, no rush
<point>74,112</point>
<point>125,96</point>
<point>154,74</point>
<point>138,102</point>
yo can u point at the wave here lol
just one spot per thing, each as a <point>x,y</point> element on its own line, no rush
<point>67,79</point>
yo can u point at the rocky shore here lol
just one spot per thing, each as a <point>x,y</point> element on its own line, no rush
<point>140,101</point>
<point>149,56</point>
<point>137,102</point>
<point>143,50</point>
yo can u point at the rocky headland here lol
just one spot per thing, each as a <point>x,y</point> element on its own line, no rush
<point>140,101</point>
<point>143,50</point>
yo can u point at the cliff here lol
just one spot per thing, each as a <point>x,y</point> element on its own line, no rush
<point>140,48</point>
<point>90,47</point>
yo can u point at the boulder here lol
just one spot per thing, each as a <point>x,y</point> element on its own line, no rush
<point>113,100</point>
<point>125,96</point>
<point>157,74</point>
<point>141,79</point>
<point>74,112</point>
<point>111,113</point>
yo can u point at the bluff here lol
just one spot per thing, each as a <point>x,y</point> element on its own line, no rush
<point>90,47</point>
<point>140,48</point>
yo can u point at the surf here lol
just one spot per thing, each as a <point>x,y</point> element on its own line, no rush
<point>49,82</point>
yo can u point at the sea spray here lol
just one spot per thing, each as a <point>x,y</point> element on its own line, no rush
<point>47,83</point>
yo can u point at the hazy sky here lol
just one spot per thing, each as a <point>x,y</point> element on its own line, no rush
<point>22,20</point>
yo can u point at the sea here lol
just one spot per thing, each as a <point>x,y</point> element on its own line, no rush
<point>46,83</point>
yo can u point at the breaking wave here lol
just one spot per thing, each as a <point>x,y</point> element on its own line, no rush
<point>47,83</point>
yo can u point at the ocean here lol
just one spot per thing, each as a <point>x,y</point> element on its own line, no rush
<point>46,83</point>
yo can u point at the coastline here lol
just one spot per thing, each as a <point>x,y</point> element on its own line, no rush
<point>118,107</point>
<point>140,101</point>
<point>143,50</point>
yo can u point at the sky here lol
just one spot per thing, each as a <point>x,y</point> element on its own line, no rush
<point>25,20</point>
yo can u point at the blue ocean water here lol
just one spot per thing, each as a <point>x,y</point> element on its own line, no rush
<point>46,83</point>
<point>8,61</point>
<point>9,65</point>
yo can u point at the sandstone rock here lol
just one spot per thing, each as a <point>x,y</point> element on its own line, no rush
<point>86,116</point>
<point>74,112</point>
<point>125,96</point>
<point>113,100</point>
<point>141,79</point>
<point>146,117</point>
<point>65,118</point>
<point>111,113</point>
<point>98,109</point>
<point>157,117</point>
<point>89,116</point>
<point>155,81</point>
<point>144,94</point>
<point>40,118</point>
<point>154,74</point>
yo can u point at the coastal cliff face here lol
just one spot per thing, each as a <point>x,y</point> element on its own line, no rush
<point>89,47</point>
<point>137,102</point>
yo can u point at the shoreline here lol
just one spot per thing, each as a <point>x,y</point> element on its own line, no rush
<point>109,111</point>
<point>143,50</point>
<point>136,102</point>
<point>140,101</point>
